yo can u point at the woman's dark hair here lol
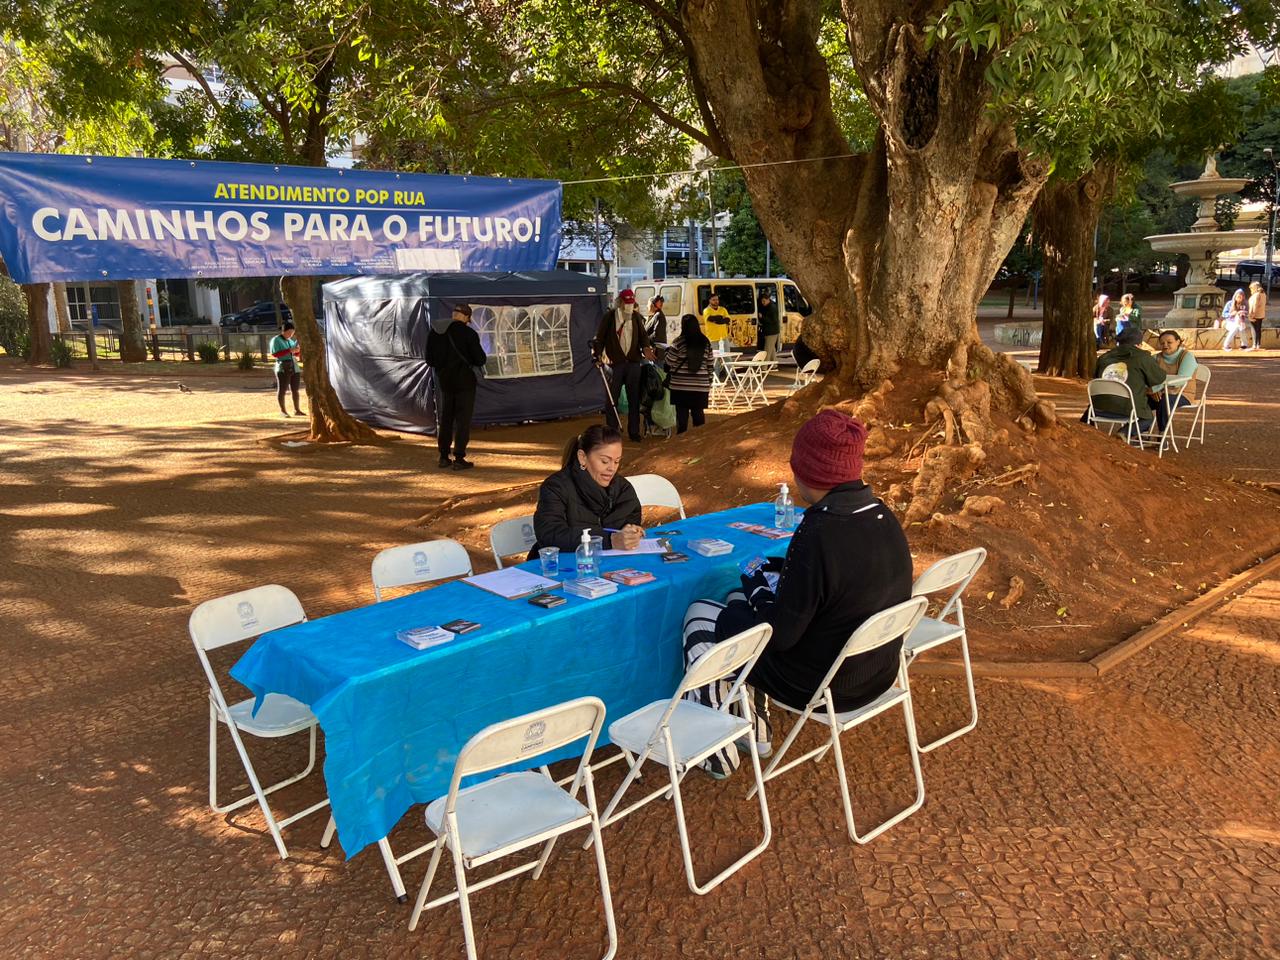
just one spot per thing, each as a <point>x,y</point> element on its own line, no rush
<point>696,343</point>
<point>1170,333</point>
<point>288,325</point>
<point>597,435</point>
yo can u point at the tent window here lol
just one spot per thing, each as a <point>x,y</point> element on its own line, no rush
<point>530,341</point>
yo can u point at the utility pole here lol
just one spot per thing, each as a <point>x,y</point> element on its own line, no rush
<point>715,242</point>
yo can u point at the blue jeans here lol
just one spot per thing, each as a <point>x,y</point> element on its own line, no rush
<point>1163,413</point>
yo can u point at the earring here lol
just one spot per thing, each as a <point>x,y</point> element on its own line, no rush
<point>582,466</point>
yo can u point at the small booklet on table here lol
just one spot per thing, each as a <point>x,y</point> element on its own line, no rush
<point>420,638</point>
<point>629,577</point>
<point>511,583</point>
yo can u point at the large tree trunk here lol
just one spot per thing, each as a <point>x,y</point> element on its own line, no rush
<point>895,248</point>
<point>329,422</point>
<point>38,321</point>
<point>1065,216</point>
<point>133,342</point>
<point>60,305</point>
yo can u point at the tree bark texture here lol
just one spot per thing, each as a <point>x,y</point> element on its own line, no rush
<point>1065,217</point>
<point>896,247</point>
<point>38,321</point>
<point>61,307</point>
<point>329,421</point>
<point>133,340</point>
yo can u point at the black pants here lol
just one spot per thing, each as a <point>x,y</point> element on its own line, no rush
<point>454,424</point>
<point>288,380</point>
<point>628,375</point>
<point>1257,332</point>
<point>683,414</point>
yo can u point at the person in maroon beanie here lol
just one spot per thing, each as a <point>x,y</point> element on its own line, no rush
<point>848,560</point>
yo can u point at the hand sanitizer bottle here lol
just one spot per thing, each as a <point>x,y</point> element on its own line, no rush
<point>784,510</point>
<point>586,561</point>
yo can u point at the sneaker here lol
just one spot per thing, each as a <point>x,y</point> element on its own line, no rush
<point>765,749</point>
<point>445,463</point>
<point>285,414</point>
<point>462,464</point>
<point>298,413</point>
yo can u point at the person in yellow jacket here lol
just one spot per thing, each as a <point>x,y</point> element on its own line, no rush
<point>715,323</point>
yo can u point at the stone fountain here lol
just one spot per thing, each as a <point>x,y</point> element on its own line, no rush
<point>1200,302</point>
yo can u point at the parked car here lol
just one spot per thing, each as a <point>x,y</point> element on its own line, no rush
<point>261,314</point>
<point>1251,269</point>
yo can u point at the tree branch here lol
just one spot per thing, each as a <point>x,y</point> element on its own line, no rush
<point>192,69</point>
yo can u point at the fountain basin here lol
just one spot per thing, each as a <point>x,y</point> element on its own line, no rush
<point>1205,244</point>
<point>1208,187</point>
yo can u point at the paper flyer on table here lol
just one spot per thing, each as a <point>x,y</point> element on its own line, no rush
<point>511,582</point>
<point>647,545</point>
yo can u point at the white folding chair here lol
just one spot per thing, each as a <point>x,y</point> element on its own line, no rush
<point>806,375</point>
<point>416,563</point>
<point>515,811</point>
<point>657,491</point>
<point>883,628</point>
<point>1120,390</point>
<point>954,571</point>
<point>512,537</point>
<point>1201,376</point>
<point>233,619</point>
<point>682,733</point>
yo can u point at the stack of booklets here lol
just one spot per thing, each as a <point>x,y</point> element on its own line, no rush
<point>420,638</point>
<point>590,587</point>
<point>711,547</point>
<point>630,577</point>
<point>773,533</point>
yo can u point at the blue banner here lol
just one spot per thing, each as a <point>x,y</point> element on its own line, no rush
<point>84,218</point>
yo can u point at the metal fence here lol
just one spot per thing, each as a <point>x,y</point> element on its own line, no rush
<point>162,345</point>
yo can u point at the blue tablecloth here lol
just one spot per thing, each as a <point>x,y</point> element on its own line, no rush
<point>395,718</point>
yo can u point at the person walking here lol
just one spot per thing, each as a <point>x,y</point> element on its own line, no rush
<point>689,363</point>
<point>624,344</point>
<point>1257,312</point>
<point>453,357</point>
<point>770,327</point>
<point>287,357</point>
<point>1235,319</point>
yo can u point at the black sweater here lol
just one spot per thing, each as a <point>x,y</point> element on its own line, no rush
<point>452,354</point>
<point>849,559</point>
<point>569,502</point>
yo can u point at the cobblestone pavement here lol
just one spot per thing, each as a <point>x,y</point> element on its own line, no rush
<point>1132,817</point>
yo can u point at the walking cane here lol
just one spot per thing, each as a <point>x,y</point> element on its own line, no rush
<point>608,392</point>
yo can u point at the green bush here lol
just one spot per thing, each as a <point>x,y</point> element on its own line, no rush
<point>22,346</point>
<point>60,352</point>
<point>246,360</point>
<point>208,352</point>
<point>13,317</point>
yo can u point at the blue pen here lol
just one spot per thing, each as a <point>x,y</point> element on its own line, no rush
<point>611,530</point>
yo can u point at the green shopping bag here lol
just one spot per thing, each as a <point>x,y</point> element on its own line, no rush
<point>663,412</point>
<point>622,401</point>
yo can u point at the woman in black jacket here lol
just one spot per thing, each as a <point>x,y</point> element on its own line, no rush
<point>587,494</point>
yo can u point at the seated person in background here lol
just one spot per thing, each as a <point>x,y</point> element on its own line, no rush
<point>1130,314</point>
<point>1102,320</point>
<point>1129,363</point>
<point>587,493</point>
<point>1176,361</point>
<point>849,559</point>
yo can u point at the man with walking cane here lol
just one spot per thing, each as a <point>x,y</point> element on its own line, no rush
<point>623,343</point>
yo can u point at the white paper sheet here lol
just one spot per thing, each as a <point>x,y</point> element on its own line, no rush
<point>647,545</point>
<point>511,582</point>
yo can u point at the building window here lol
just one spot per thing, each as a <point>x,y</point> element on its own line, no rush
<point>80,298</point>
<point>530,341</point>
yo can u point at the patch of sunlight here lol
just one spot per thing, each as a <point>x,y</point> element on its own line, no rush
<point>1235,830</point>
<point>56,509</point>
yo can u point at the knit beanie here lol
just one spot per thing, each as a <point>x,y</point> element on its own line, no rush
<point>827,450</point>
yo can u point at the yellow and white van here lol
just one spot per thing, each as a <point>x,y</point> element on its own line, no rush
<point>741,297</point>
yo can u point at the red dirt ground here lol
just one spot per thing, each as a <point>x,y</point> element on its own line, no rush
<point>1132,816</point>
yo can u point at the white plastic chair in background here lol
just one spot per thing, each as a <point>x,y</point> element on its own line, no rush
<point>657,491</point>
<point>883,628</point>
<point>416,563</point>
<point>1201,376</point>
<point>806,375</point>
<point>681,734</point>
<point>955,571</point>
<point>515,811</point>
<point>233,619</point>
<point>1120,390</point>
<point>512,537</point>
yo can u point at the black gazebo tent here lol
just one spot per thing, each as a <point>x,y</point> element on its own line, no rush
<point>536,327</point>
